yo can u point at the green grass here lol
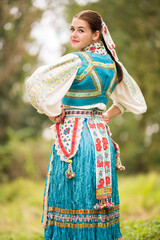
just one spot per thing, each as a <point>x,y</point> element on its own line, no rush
<point>21,208</point>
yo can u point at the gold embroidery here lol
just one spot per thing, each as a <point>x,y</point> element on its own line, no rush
<point>83,225</point>
<point>74,93</point>
<point>83,211</point>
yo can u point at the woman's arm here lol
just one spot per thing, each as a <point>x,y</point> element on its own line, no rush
<point>49,84</point>
<point>113,111</point>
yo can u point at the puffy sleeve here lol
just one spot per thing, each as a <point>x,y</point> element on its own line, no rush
<point>49,84</point>
<point>127,96</point>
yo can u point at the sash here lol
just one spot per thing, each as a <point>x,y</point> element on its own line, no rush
<point>103,163</point>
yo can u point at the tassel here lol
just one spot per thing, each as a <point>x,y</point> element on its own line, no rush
<point>104,204</point>
<point>120,167</point>
<point>69,172</point>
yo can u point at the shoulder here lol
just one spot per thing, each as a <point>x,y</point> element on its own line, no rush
<point>70,57</point>
<point>86,55</point>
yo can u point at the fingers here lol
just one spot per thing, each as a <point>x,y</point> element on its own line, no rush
<point>105,119</point>
<point>52,119</point>
<point>58,118</point>
<point>63,114</point>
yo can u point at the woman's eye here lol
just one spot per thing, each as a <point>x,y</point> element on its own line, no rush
<point>72,29</point>
<point>80,30</point>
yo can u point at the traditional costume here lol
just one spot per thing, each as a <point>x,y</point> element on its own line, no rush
<point>81,198</point>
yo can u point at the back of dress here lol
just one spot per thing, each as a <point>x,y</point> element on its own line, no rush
<point>94,82</point>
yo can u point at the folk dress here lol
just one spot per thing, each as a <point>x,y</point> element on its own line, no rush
<point>81,199</point>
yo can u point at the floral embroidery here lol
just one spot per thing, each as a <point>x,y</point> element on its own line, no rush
<point>97,47</point>
<point>101,183</point>
<point>107,163</point>
<point>98,141</point>
<point>65,142</point>
<point>98,147</point>
<point>99,164</point>
<point>67,130</point>
<point>103,158</point>
<point>81,218</point>
<point>100,125</point>
<point>92,125</point>
<point>108,180</point>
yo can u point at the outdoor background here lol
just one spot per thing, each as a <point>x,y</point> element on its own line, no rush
<point>34,33</point>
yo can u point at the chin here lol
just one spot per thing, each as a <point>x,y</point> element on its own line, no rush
<point>75,46</point>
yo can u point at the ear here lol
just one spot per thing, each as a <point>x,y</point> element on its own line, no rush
<point>96,36</point>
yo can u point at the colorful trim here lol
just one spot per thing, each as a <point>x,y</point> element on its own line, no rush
<point>82,211</point>
<point>68,136</point>
<point>87,112</point>
<point>97,47</point>
<point>83,225</point>
<point>45,199</point>
<point>90,71</point>
<point>83,218</point>
<point>75,127</point>
<point>113,80</point>
<point>103,158</point>
<point>120,106</point>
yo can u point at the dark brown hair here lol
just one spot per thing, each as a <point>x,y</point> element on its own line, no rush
<point>94,20</point>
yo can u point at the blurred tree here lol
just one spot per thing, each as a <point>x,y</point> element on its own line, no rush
<point>134,26</point>
<point>16,19</point>
<point>19,122</point>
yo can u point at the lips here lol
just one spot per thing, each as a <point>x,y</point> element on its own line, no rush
<point>75,41</point>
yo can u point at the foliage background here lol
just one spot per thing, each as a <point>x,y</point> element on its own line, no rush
<point>134,26</point>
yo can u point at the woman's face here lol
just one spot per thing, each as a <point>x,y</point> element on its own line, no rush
<point>81,35</point>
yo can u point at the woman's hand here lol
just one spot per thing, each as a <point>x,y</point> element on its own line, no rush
<point>105,119</point>
<point>110,113</point>
<point>59,118</point>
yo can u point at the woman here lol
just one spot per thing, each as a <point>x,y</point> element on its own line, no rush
<point>82,202</point>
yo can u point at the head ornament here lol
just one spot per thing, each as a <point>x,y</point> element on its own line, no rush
<point>108,40</point>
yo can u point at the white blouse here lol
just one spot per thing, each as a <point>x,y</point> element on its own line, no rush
<point>49,84</point>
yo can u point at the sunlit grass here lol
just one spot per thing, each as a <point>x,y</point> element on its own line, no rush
<point>140,196</point>
<point>140,206</point>
<point>21,208</point>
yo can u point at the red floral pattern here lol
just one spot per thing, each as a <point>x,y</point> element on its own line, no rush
<point>99,164</point>
<point>104,140</point>
<point>98,147</point>
<point>92,125</point>
<point>98,141</point>
<point>108,180</point>
<point>107,164</point>
<point>100,125</point>
<point>101,183</point>
<point>103,158</point>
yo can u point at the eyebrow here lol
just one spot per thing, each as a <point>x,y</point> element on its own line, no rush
<point>78,27</point>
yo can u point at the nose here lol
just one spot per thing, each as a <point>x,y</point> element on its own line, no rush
<point>74,34</point>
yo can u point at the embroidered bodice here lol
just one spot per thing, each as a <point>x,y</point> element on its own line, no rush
<point>84,80</point>
<point>94,82</point>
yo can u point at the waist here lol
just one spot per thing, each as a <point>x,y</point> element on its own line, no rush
<point>85,113</point>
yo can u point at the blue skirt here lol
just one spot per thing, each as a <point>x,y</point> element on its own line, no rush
<point>70,206</point>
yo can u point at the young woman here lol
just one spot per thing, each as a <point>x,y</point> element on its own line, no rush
<point>81,194</point>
